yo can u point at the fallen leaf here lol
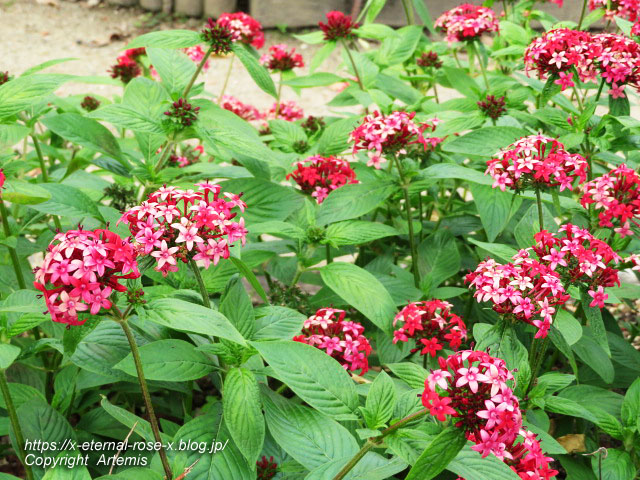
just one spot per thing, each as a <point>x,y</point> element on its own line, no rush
<point>573,443</point>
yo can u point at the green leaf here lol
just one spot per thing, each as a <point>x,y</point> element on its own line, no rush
<point>438,454</point>
<point>125,116</point>
<point>529,225</point>
<point>128,419</point>
<point>485,141</point>
<point>20,393</point>
<point>311,438</point>
<point>313,375</point>
<point>174,67</point>
<point>414,375</point>
<point>85,132</point>
<point>494,207</point>
<point>259,73</point>
<point>22,92</point>
<point>321,55</point>
<point>278,323</point>
<point>381,400</point>
<point>362,290</point>
<point>169,360</point>
<point>247,273</point>
<point>499,250</point>
<point>631,405</point>
<point>619,107</point>
<point>335,138</point>
<point>236,306</point>
<point>167,39</point>
<point>371,467</point>
<point>373,9</point>
<point>319,79</point>
<point>471,466</point>
<point>357,232</point>
<point>594,320</point>
<point>568,326</point>
<point>451,170</point>
<point>39,421</point>
<point>23,193</point>
<point>12,134</point>
<point>566,406</point>
<point>438,258</point>
<point>67,201</point>
<point>398,48</point>
<point>243,412</point>
<point>592,354</point>
<point>616,465</point>
<point>352,201</point>
<point>8,354</point>
<point>189,317</point>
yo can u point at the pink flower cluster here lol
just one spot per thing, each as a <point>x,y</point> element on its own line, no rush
<point>175,224</point>
<point>81,270</point>
<point>288,110</point>
<point>466,22</point>
<point>338,26</point>
<point>244,28</point>
<point>536,162</point>
<point>616,197</point>
<point>580,259</point>
<point>431,324</point>
<point>2,180</point>
<point>280,59</point>
<point>196,54</point>
<point>188,156</point>
<point>525,290</point>
<point>243,110</point>
<point>320,175</point>
<point>127,67</point>
<point>390,135</point>
<point>617,59</point>
<point>471,387</point>
<point>339,338</point>
<point>627,9</point>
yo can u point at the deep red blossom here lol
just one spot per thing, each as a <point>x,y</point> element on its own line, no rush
<point>266,468</point>
<point>243,110</point>
<point>466,22</point>
<point>2,180</point>
<point>474,389</point>
<point>81,270</point>
<point>493,107</point>
<point>536,162</point>
<point>616,198</point>
<point>218,37</point>
<point>429,60</point>
<point>319,175</point>
<point>280,59</point>
<point>390,135</point>
<point>627,9</point>
<point>90,103</point>
<point>181,114</point>
<point>339,338</point>
<point>244,28</point>
<point>4,77</point>
<point>288,110</point>
<point>431,325</point>
<point>175,224</point>
<point>126,69</point>
<point>338,26</point>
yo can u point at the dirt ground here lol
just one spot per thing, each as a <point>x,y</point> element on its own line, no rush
<point>35,31</point>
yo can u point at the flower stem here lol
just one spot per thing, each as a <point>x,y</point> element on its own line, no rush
<point>584,9</point>
<point>600,90</point>
<point>187,89</point>
<point>226,80</point>
<point>540,214</point>
<point>537,354</point>
<point>476,51</point>
<point>412,240</point>
<point>328,250</point>
<point>353,65</point>
<point>279,97</point>
<point>408,12</point>
<point>145,393</point>
<point>164,154</point>
<point>45,175</point>
<point>15,424</point>
<point>375,441</point>
<point>12,251</point>
<point>203,288</point>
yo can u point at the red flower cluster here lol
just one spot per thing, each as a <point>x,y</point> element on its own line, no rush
<point>4,77</point>
<point>493,107</point>
<point>580,259</point>
<point>182,225</point>
<point>617,59</point>
<point>320,175</point>
<point>431,324</point>
<point>243,110</point>
<point>390,135</point>
<point>2,179</point>
<point>244,28</point>
<point>83,268</point>
<point>266,468</point>
<point>616,196</point>
<point>341,339</point>
<point>627,9</point>
<point>472,388</point>
<point>127,67</point>
<point>521,290</point>
<point>466,22</point>
<point>289,111</point>
<point>218,37</point>
<point>181,114</point>
<point>338,26</point>
<point>536,162</point>
<point>279,59</point>
<point>90,103</point>
<point>429,60</point>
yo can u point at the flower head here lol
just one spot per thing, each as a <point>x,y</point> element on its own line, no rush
<point>90,103</point>
<point>2,180</point>
<point>431,325</point>
<point>266,468</point>
<point>4,77</point>
<point>126,69</point>
<point>493,107</point>
<point>429,60</point>
<point>280,59</point>
<point>218,37</point>
<point>244,28</point>
<point>390,135</point>
<point>175,224</point>
<point>188,156</point>
<point>288,110</point>
<point>466,22</point>
<point>627,9</point>
<point>80,271</point>
<point>319,175</point>
<point>338,26</point>
<point>181,114</point>
<point>341,339</point>
<point>243,110</point>
<point>617,59</point>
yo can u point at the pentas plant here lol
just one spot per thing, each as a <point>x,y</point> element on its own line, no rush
<point>90,103</point>
<point>127,67</point>
<point>181,114</point>
<point>466,22</point>
<point>338,26</point>
<point>341,339</point>
<point>536,162</point>
<point>80,271</point>
<point>627,9</point>
<point>431,325</point>
<point>183,225</point>
<point>244,28</point>
<point>493,107</point>
<point>218,37</point>
<point>617,59</point>
<point>281,58</point>
<point>266,468</point>
<point>616,199</point>
<point>319,176</point>
<point>243,110</point>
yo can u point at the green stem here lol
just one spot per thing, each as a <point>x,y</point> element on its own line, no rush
<point>45,175</point>
<point>540,214</point>
<point>537,354</point>
<point>408,12</point>
<point>187,89</point>
<point>203,288</point>
<point>578,99</point>
<point>12,251</point>
<point>145,394</point>
<point>600,90</point>
<point>278,98</point>
<point>412,240</point>
<point>164,155</point>
<point>226,80</point>
<point>15,424</point>
<point>353,65</point>
<point>297,276</point>
<point>435,91</point>
<point>373,442</point>
<point>584,9</point>
<point>329,257</point>
<point>476,51</point>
